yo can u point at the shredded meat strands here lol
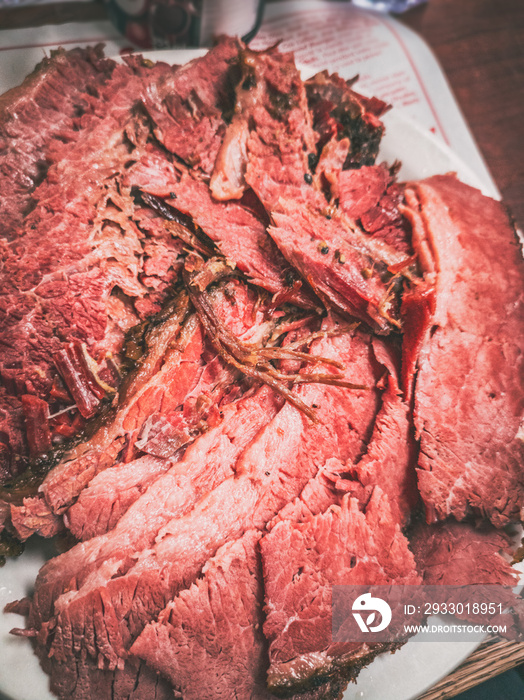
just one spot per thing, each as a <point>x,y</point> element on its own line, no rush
<point>253,361</point>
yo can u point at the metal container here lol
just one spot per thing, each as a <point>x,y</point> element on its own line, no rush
<point>161,24</point>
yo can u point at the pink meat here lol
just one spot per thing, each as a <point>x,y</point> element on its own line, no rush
<point>302,561</point>
<point>469,387</point>
<point>265,478</point>
<point>48,106</point>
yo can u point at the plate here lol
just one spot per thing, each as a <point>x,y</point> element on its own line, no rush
<point>400,676</point>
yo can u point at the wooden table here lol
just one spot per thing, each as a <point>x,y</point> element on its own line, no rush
<point>480,45</point>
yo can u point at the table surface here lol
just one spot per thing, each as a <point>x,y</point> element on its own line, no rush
<point>480,45</point>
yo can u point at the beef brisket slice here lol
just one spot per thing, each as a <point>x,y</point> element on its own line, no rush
<point>371,197</point>
<point>344,275</point>
<point>110,494</point>
<point>95,567</point>
<point>388,461</point>
<point>472,562</point>
<point>188,107</point>
<point>469,387</point>
<point>339,113</point>
<point>269,143</point>
<point>460,554</point>
<point>34,516</point>
<point>301,562</point>
<point>48,105</point>
<point>271,471</point>
<point>86,681</point>
<point>86,287</point>
<point>269,139</point>
<point>208,641</point>
<point>167,373</point>
<point>238,234</point>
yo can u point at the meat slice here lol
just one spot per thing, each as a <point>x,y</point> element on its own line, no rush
<point>360,190</point>
<point>391,455</point>
<point>371,196</point>
<point>45,107</point>
<point>96,567</point>
<point>160,372</point>
<point>242,238</point>
<point>110,494</point>
<point>86,680</point>
<point>460,554</point>
<point>387,467</point>
<point>34,516</point>
<point>273,468</point>
<point>338,263</point>
<point>301,562</point>
<point>239,235</point>
<point>188,106</point>
<point>208,641</point>
<point>469,386</point>
<point>270,136</point>
<point>388,461</point>
<point>66,306</point>
<point>339,113</point>
<point>473,564</point>
<point>163,363</point>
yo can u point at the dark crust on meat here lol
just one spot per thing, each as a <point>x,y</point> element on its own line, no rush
<point>312,671</point>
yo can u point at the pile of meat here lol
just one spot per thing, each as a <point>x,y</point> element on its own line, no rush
<point>239,361</point>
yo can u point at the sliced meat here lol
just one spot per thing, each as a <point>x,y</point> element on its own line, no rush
<point>370,196</point>
<point>391,456</point>
<point>469,385</point>
<point>473,565</point>
<point>209,640</point>
<point>268,141</point>
<point>340,113</point>
<point>301,562</point>
<point>110,494</point>
<point>168,372</point>
<point>172,398</point>
<point>47,106</point>
<point>354,278</point>
<point>339,266</point>
<point>87,680</point>
<point>237,233</point>
<point>273,469</point>
<point>360,190</point>
<point>188,106</point>
<point>460,554</point>
<point>258,453</point>
<point>388,461</point>
<point>66,306</point>
<point>34,516</point>
<point>95,566</point>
